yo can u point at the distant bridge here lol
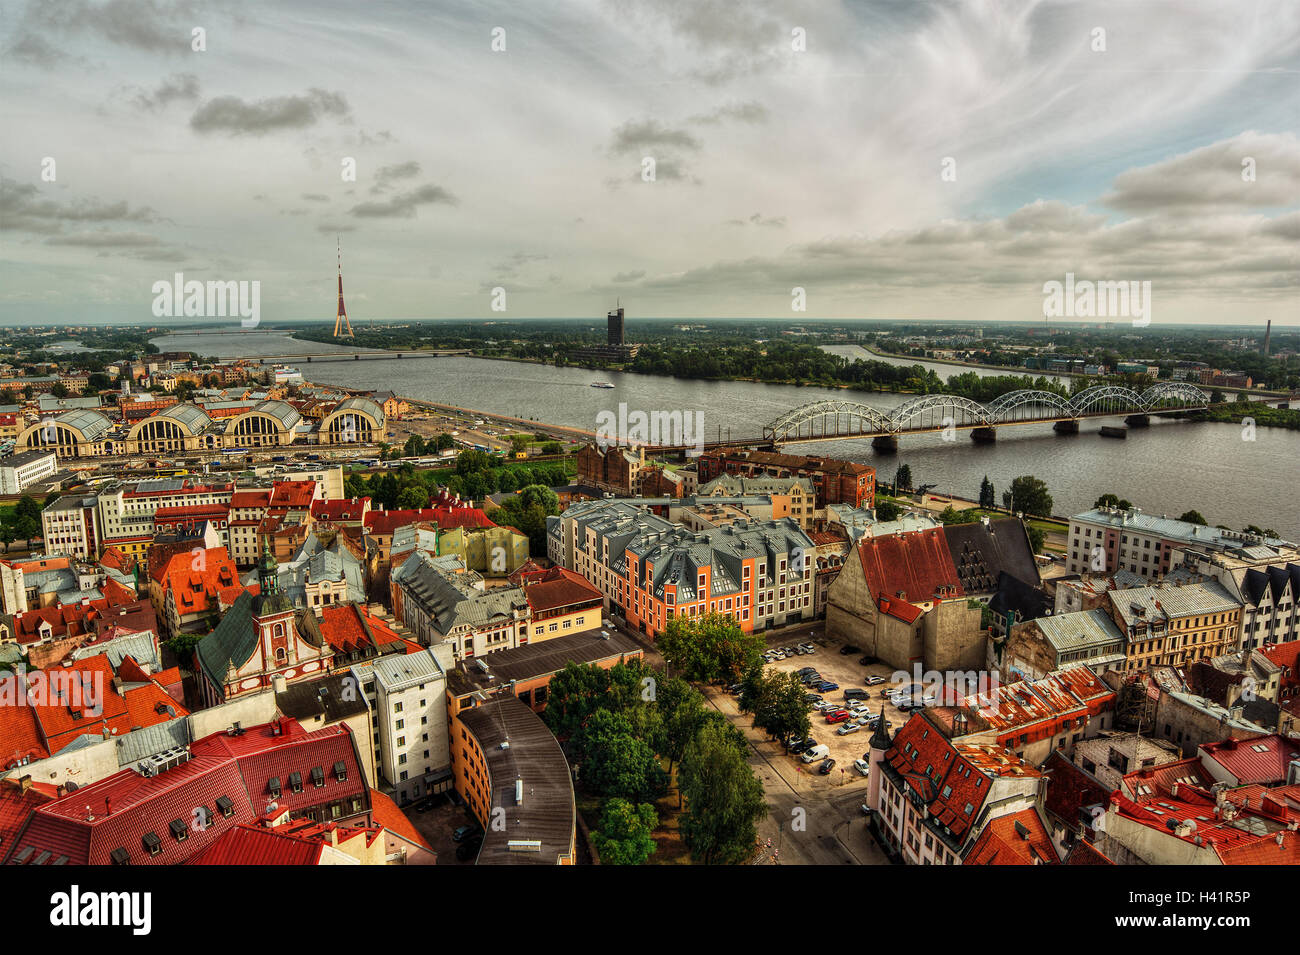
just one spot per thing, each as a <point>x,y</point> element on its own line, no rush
<point>369,355</point>
<point>838,418</point>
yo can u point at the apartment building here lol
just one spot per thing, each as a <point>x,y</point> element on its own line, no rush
<point>651,570</point>
<point>1266,579</point>
<point>1107,539</point>
<point>1175,625</point>
<point>409,693</point>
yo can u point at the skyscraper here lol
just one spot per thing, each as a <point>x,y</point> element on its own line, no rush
<point>615,327</point>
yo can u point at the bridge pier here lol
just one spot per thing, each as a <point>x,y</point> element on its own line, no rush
<point>1138,421</point>
<point>1067,426</point>
<point>984,435</point>
<point>884,444</point>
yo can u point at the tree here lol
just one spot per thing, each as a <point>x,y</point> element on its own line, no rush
<point>681,714</point>
<point>8,534</point>
<point>887,511</point>
<point>987,498</point>
<point>624,834</point>
<point>1216,396</point>
<point>613,762</point>
<point>413,498</point>
<point>518,442</point>
<point>777,702</point>
<point>574,694</point>
<point>903,478</point>
<point>723,799</point>
<point>1029,494</point>
<point>414,446</point>
<point>1037,537</point>
<point>28,529</point>
<point>1111,500</point>
<point>711,648</point>
<point>27,507</point>
<point>445,441</point>
<point>1193,517</point>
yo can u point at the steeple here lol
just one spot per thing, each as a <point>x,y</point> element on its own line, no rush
<point>342,325</point>
<point>267,576</point>
<point>880,736</point>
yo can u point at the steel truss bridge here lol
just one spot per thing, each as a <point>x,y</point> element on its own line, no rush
<point>840,418</point>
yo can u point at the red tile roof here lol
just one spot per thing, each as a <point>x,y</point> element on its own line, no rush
<point>346,509</point>
<point>118,811</point>
<point>16,804</point>
<point>351,627</point>
<point>257,498</point>
<point>194,579</point>
<point>293,494</point>
<point>1018,838</point>
<point>558,588</point>
<point>383,523</point>
<point>116,559</point>
<point>1260,760</point>
<point>914,566</point>
<point>259,845</point>
<point>385,813</point>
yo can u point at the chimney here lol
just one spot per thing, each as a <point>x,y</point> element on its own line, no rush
<point>25,783</point>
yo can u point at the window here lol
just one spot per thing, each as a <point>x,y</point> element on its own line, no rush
<point>317,777</point>
<point>341,771</point>
<point>295,781</point>
<point>180,832</point>
<point>152,844</point>
<point>273,787</point>
<point>225,807</point>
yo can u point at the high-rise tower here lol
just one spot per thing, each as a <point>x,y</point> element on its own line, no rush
<point>614,327</point>
<point>342,326</point>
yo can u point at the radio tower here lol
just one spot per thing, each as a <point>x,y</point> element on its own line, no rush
<point>342,326</point>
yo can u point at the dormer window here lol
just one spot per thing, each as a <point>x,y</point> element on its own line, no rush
<point>225,807</point>
<point>295,781</point>
<point>180,832</point>
<point>273,787</point>
<point>341,771</point>
<point>317,777</point>
<point>152,844</point>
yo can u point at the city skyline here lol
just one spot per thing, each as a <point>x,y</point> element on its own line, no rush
<point>905,163</point>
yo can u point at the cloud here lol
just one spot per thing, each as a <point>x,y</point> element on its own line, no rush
<point>239,118</point>
<point>315,197</point>
<point>622,277</point>
<point>403,205</point>
<point>329,228</point>
<point>385,176</point>
<point>750,111</point>
<point>645,137</point>
<point>1211,178</point>
<point>150,25</point>
<point>758,219</point>
<point>179,86</point>
<point>104,239</point>
<point>24,209</point>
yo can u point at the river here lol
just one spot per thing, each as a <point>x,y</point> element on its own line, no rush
<point>1169,468</point>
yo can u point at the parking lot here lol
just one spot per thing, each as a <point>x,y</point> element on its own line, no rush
<point>845,670</point>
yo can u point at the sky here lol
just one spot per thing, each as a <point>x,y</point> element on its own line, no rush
<point>920,159</point>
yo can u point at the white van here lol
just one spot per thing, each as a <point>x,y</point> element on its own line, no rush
<point>820,751</point>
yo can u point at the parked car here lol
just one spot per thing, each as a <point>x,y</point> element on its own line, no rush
<point>856,694</point>
<point>809,678</point>
<point>802,671</point>
<point>798,746</point>
<point>814,753</point>
<point>464,832</point>
<point>875,680</point>
<point>811,698</point>
<point>809,647</point>
<point>866,659</point>
<point>862,766</point>
<point>826,767</point>
<point>848,728</point>
<point>847,649</point>
<point>828,685</point>
<point>839,716</point>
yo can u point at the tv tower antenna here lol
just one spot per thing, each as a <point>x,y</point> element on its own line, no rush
<point>342,325</point>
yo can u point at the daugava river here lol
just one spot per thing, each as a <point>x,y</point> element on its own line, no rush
<point>1169,468</point>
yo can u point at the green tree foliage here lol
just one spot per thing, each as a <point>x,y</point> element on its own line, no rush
<point>776,700</point>
<point>888,511</point>
<point>723,798</point>
<point>624,834</point>
<point>903,478</point>
<point>1037,537</point>
<point>1111,500</point>
<point>988,498</point>
<point>412,498</point>
<point>1029,494</point>
<point>1193,517</point>
<point>711,648</point>
<point>614,762</point>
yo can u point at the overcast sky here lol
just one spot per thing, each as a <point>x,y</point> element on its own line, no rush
<point>821,168</point>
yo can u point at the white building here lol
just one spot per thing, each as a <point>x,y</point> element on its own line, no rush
<point>20,471</point>
<point>408,694</point>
